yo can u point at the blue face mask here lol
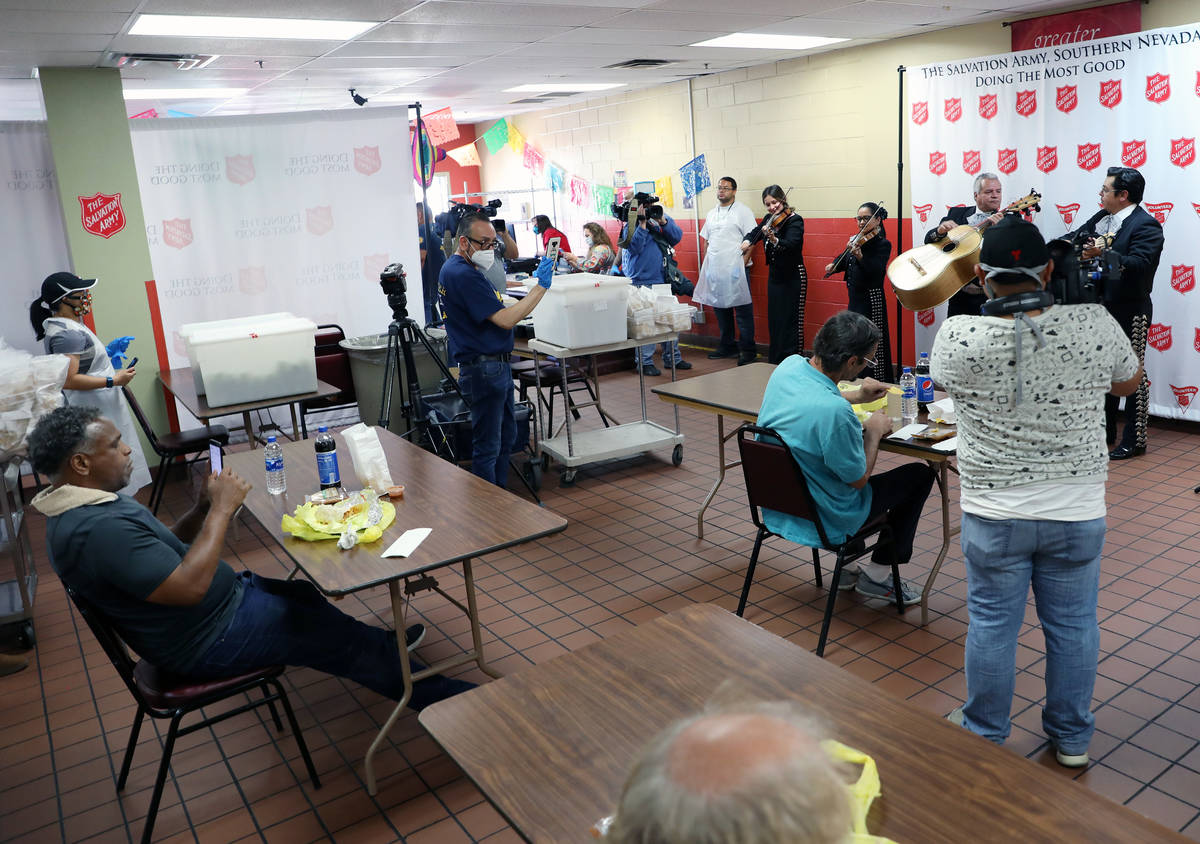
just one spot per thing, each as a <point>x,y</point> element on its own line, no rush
<point>536,230</point>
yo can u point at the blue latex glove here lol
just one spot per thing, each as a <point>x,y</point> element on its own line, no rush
<point>544,273</point>
<point>116,351</point>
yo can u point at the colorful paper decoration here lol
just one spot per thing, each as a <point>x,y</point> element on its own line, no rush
<point>497,136</point>
<point>664,191</point>
<point>466,155</point>
<point>516,141</point>
<point>441,126</point>
<point>694,176</point>
<point>533,159</point>
<point>557,178</point>
<point>145,115</point>
<point>603,197</point>
<point>425,176</point>
<point>580,192</point>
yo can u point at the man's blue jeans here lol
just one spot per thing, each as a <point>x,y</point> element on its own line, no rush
<point>289,622</point>
<point>744,316</point>
<point>644,355</point>
<point>488,386</point>
<point>1062,562</point>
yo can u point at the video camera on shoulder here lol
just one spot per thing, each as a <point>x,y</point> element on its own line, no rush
<point>1076,280</point>
<point>647,207</point>
<point>447,221</point>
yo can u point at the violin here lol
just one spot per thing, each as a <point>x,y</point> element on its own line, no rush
<point>856,242</point>
<point>773,222</point>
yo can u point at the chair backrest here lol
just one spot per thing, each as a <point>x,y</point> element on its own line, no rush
<point>140,416</point>
<point>108,638</point>
<point>333,362</point>
<point>774,479</point>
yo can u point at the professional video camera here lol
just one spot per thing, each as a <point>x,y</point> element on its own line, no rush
<point>447,221</point>
<point>1076,280</point>
<point>394,282</point>
<point>646,202</point>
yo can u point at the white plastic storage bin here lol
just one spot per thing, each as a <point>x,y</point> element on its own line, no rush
<point>641,324</point>
<point>186,332</point>
<point>250,362</point>
<point>675,318</point>
<point>583,309</point>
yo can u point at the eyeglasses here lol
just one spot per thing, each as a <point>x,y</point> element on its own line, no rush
<point>870,363</point>
<point>864,219</point>
<point>483,244</point>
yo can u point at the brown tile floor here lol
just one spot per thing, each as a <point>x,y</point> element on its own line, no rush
<point>629,554</point>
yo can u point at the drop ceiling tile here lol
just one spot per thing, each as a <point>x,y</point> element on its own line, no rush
<point>72,42</point>
<point>63,22</point>
<point>878,11</point>
<point>346,10</point>
<point>836,28</point>
<point>416,49</point>
<point>72,6</point>
<point>482,13</point>
<point>692,21</point>
<point>643,37</point>
<point>255,48</point>
<point>51,58</point>
<point>437,34</point>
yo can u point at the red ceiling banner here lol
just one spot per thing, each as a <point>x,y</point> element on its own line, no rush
<point>1073,27</point>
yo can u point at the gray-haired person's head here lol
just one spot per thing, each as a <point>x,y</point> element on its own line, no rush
<point>752,774</point>
<point>844,335</point>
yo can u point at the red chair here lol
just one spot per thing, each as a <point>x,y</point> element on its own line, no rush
<point>333,367</point>
<point>774,480</point>
<point>160,694</point>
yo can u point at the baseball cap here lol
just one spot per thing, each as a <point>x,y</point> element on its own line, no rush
<point>58,285</point>
<point>1013,246</point>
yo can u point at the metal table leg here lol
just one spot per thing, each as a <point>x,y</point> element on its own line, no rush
<point>722,468</point>
<point>942,468</point>
<point>398,618</point>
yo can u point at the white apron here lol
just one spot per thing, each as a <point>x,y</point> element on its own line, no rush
<point>723,275</point>
<point>110,402</point>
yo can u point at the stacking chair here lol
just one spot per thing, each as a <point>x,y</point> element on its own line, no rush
<point>193,441</point>
<point>551,377</point>
<point>162,695</point>
<point>774,480</point>
<point>333,367</point>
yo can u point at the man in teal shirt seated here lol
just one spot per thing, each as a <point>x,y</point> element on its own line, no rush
<point>803,405</point>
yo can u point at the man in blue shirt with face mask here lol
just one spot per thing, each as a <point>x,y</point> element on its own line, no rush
<point>480,333</point>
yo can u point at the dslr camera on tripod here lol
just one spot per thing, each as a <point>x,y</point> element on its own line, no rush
<point>1076,280</point>
<point>447,221</point>
<point>394,282</point>
<point>646,203</point>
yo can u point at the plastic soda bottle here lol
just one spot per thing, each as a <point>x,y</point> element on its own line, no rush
<point>327,463</point>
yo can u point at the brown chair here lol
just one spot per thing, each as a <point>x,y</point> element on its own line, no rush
<point>551,378</point>
<point>170,446</point>
<point>333,367</point>
<point>163,695</point>
<point>775,481</point>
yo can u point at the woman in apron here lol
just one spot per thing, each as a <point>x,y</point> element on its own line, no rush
<point>56,317</point>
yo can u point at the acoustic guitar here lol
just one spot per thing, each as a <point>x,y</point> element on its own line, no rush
<point>929,274</point>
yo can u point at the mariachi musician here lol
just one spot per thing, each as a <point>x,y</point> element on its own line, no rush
<point>782,234</point>
<point>986,213</point>
<point>864,261</point>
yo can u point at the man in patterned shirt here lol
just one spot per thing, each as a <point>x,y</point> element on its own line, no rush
<point>1028,379</point>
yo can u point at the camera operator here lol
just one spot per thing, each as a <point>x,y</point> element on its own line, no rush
<point>1028,378</point>
<point>480,333</point>
<point>1137,246</point>
<point>643,260</point>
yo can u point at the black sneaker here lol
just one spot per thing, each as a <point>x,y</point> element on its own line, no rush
<point>683,364</point>
<point>716,355</point>
<point>747,357</point>
<point>651,369</point>
<point>413,635</point>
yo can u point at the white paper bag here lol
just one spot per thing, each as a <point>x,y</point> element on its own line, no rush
<point>370,463</point>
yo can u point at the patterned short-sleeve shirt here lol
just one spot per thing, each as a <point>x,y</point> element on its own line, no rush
<point>1056,433</point>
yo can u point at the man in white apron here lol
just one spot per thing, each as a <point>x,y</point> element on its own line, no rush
<point>723,282</point>
<point>91,379</point>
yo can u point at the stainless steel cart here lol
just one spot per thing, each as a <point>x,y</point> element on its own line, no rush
<point>16,596</point>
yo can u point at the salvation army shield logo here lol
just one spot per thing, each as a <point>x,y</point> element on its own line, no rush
<point>1158,87</point>
<point>101,214</point>
<point>1088,156</point>
<point>252,280</point>
<point>1047,158</point>
<point>952,108</point>
<point>1183,277</point>
<point>1026,103</point>
<point>989,106</point>
<point>1006,160</point>
<point>1159,210</point>
<point>1066,98</point>
<point>1198,83</point>
<point>926,317</point>
<point>239,169</point>
<point>972,161</point>
<point>1184,395</point>
<point>922,211</point>
<point>937,163</point>
<point>1159,337</point>
<point>920,112</point>
<point>319,220</point>
<point>177,233</point>
<point>1133,153</point>
<point>1196,343</point>
<point>1067,212</point>
<point>366,160</point>
<point>1110,93</point>
<point>1183,151</point>
<point>373,265</point>
<point>1196,205</point>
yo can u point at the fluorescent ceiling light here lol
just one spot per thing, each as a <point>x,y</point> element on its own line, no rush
<point>183,93</point>
<point>565,86</point>
<point>764,41</point>
<point>211,26</point>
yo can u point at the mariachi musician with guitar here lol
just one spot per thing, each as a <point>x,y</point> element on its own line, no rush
<point>864,261</point>
<point>988,198</point>
<point>782,234</point>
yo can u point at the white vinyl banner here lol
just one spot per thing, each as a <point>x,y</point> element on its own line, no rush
<point>1053,120</point>
<point>32,239</point>
<point>291,212</point>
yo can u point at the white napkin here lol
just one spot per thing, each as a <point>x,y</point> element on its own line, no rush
<point>907,431</point>
<point>946,445</point>
<point>408,542</point>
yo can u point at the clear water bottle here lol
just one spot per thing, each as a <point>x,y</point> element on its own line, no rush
<point>908,397</point>
<point>924,382</point>
<point>276,478</point>
<point>327,465</point>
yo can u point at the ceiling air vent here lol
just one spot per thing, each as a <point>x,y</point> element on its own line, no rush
<point>182,61</point>
<point>637,64</point>
<point>531,100</point>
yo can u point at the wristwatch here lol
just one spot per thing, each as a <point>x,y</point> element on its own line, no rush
<point>108,382</point>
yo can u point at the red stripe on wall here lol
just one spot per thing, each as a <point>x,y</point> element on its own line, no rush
<point>160,346</point>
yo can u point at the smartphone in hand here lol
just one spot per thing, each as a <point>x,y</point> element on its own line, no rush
<point>552,249</point>
<point>215,457</point>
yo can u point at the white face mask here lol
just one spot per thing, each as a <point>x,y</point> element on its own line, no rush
<point>483,258</point>
<point>587,239</point>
